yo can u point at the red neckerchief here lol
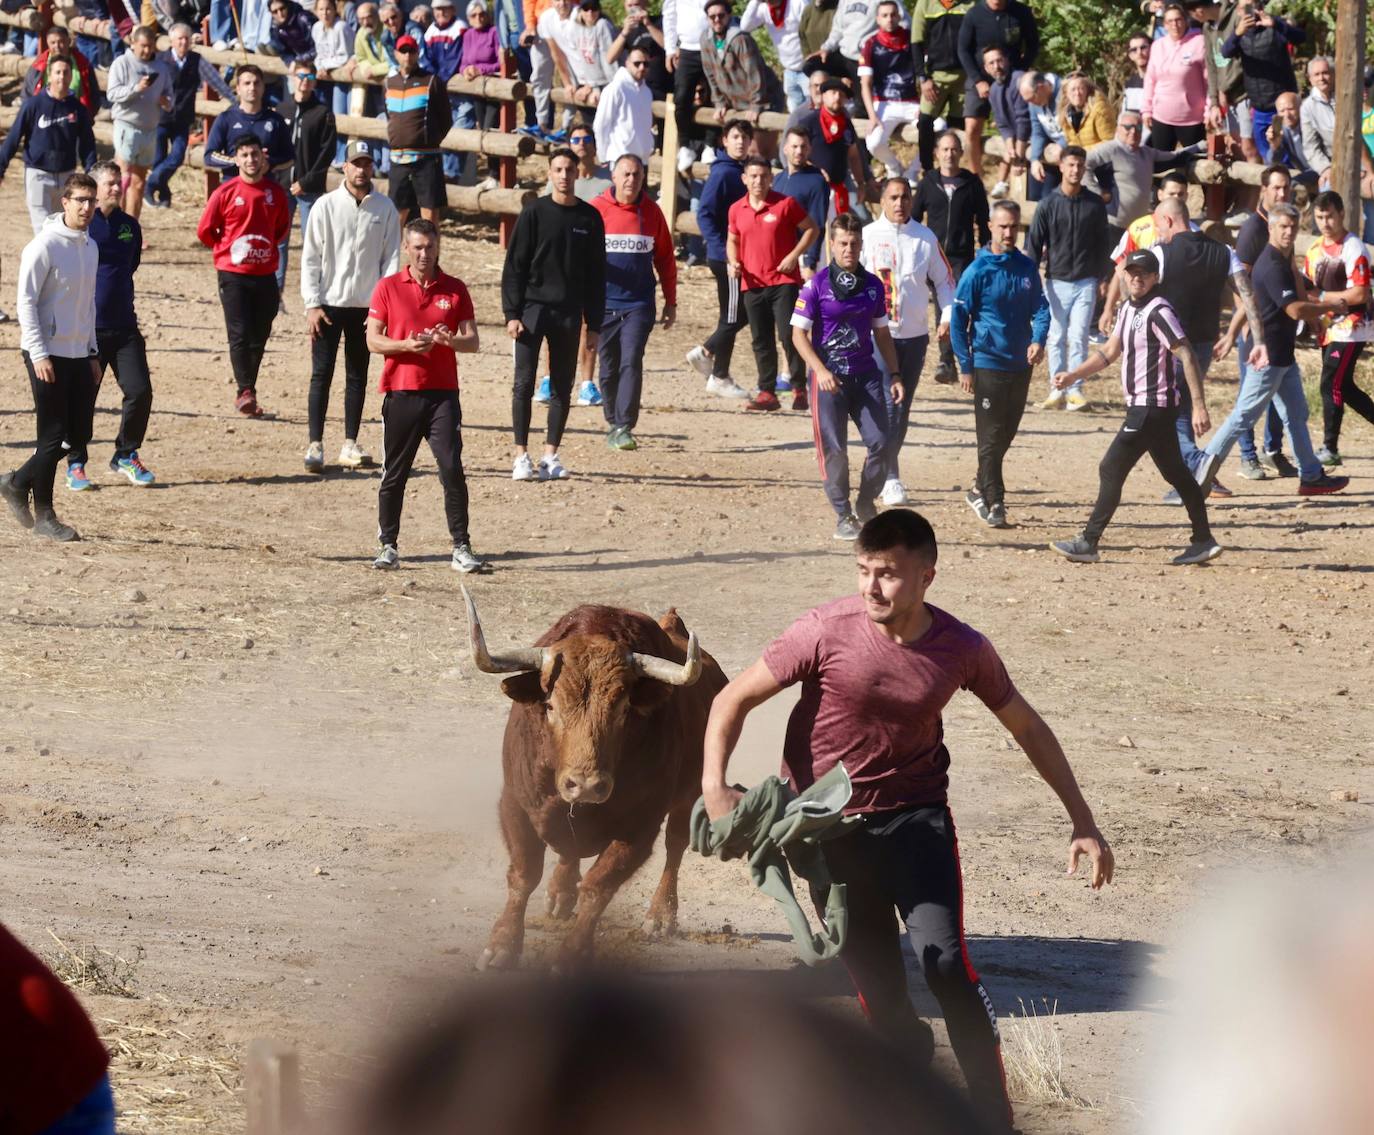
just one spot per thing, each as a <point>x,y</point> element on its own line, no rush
<point>894,41</point>
<point>777,12</point>
<point>839,193</point>
<point>832,125</point>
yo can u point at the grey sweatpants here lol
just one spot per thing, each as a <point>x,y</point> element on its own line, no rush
<point>43,194</point>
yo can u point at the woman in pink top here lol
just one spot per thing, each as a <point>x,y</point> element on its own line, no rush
<point>1176,84</point>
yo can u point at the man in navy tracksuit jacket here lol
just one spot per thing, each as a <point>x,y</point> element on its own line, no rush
<point>724,186</point>
<point>252,116</point>
<point>55,132</point>
<point>1001,320</point>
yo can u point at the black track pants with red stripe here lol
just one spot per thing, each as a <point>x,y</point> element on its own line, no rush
<point>1339,391</point>
<point>905,865</point>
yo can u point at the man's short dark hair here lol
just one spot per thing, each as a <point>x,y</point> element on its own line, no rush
<point>248,69</point>
<point>77,180</point>
<point>885,3</point>
<point>940,137</point>
<point>562,152</point>
<point>1329,200</point>
<point>247,142</point>
<point>67,59</point>
<point>420,227</point>
<point>899,528</point>
<point>754,160</point>
<point>1073,152</point>
<point>742,125</point>
<point>845,223</point>
<point>800,132</point>
<point>719,4</point>
<point>882,189</point>
<point>1174,177</point>
<point>1269,172</point>
<point>1007,205</point>
<point>992,47</point>
<point>105,168</point>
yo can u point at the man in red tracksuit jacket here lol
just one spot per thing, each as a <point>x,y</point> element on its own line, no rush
<point>244,221</point>
<point>637,243</point>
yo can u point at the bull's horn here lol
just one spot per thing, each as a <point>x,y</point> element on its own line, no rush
<point>520,659</point>
<point>673,673</point>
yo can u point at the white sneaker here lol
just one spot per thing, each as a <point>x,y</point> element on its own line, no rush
<point>523,469</point>
<point>708,155</point>
<point>699,361</point>
<point>1055,401</point>
<point>220,45</point>
<point>7,48</point>
<point>894,493</point>
<point>551,469</point>
<point>685,158</point>
<point>353,456</point>
<point>487,183</point>
<point>1001,189</point>
<point>725,387</point>
<point>314,458</point>
<point>1236,220</point>
<point>4,316</point>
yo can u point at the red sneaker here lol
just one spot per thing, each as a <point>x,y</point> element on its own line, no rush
<point>799,401</point>
<point>1322,486</point>
<point>763,400</point>
<point>247,404</point>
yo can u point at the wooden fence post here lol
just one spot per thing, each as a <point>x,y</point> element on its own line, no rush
<point>272,1085</point>
<point>667,173</point>
<point>507,168</point>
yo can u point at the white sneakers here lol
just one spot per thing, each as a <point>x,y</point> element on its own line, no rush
<point>353,456</point>
<point>685,159</point>
<point>725,388</point>
<point>314,458</point>
<point>1076,399</point>
<point>549,469</point>
<point>699,361</point>
<point>1055,401</point>
<point>487,183</point>
<point>1001,189</point>
<point>893,494</point>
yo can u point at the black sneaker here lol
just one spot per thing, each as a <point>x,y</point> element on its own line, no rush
<point>997,516</point>
<point>1078,550</point>
<point>1322,486</point>
<point>17,499</point>
<point>864,511</point>
<point>47,524</point>
<point>1280,464</point>
<point>1197,553</point>
<point>848,528</point>
<point>974,499</point>
<point>944,374</point>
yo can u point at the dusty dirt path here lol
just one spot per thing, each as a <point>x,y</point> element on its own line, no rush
<point>230,745</point>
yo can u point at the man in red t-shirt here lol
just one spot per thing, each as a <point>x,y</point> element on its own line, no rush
<point>767,236</point>
<point>876,671</point>
<point>416,321</point>
<point>244,221</point>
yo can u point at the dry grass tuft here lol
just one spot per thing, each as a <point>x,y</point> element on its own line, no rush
<point>160,1085</point>
<point>1034,1057</point>
<point>93,970</point>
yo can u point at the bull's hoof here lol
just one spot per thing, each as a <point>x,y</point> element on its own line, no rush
<point>562,905</point>
<point>657,926</point>
<point>498,958</point>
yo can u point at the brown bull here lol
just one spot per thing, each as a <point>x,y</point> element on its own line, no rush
<point>604,740</point>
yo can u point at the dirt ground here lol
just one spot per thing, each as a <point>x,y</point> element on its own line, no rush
<point>234,754</point>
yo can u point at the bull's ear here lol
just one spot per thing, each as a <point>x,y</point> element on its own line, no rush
<point>673,624</point>
<point>646,695</point>
<point>525,687</point>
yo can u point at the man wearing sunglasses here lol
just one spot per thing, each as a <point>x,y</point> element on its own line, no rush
<point>624,121</point>
<point>418,117</point>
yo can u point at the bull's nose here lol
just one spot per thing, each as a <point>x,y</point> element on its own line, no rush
<point>594,789</point>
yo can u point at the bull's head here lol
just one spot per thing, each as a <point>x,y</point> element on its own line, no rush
<point>588,686</point>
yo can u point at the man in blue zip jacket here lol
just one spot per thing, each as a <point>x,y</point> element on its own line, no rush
<point>253,116</point>
<point>1000,323</point>
<point>55,130</point>
<point>806,185</point>
<point>724,186</point>
<point>119,342</point>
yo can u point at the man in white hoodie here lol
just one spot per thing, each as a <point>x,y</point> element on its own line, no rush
<point>624,122</point>
<point>906,256</point>
<point>57,340</point>
<point>352,241</point>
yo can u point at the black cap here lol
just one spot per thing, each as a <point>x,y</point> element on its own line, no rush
<point>835,85</point>
<point>1142,260</point>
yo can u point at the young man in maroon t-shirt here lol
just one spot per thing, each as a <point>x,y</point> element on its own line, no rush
<point>877,669</point>
<point>416,321</point>
<point>768,234</point>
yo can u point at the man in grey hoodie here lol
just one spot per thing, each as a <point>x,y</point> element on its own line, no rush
<point>140,89</point>
<point>57,341</point>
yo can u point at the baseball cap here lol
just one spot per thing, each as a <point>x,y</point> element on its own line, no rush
<point>834,85</point>
<point>441,4</point>
<point>358,149</point>
<point>407,42</point>
<point>1142,260</point>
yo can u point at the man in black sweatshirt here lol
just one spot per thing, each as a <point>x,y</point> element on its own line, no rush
<point>952,203</point>
<point>313,136</point>
<point>55,131</point>
<point>1007,24</point>
<point>554,281</point>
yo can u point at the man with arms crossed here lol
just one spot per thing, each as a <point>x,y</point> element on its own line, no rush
<point>877,670</point>
<point>417,319</point>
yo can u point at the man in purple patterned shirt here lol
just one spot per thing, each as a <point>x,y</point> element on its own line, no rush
<point>840,315</point>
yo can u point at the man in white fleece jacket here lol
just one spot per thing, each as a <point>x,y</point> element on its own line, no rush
<point>352,241</point>
<point>57,340</point>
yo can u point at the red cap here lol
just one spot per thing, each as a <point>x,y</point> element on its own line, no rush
<point>407,41</point>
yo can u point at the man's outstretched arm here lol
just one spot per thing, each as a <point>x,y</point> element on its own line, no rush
<point>1042,747</point>
<point>732,705</point>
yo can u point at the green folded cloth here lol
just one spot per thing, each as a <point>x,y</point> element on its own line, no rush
<point>778,829</point>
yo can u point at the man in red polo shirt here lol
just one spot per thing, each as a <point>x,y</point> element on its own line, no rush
<point>768,234</point>
<point>416,321</point>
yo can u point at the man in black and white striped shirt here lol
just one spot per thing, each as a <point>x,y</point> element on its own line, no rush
<point>1152,346</point>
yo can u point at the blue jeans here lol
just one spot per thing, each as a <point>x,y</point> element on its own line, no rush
<point>1280,386</point>
<point>221,21</point>
<point>1273,425</point>
<point>465,117</point>
<point>1071,313</point>
<point>167,159</point>
<point>300,205</point>
<point>94,1115</point>
<point>1262,120</point>
<point>794,86</point>
<point>335,96</point>
<point>1367,208</point>
<point>1187,442</point>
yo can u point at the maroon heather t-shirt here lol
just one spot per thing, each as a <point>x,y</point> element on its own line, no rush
<point>875,705</point>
